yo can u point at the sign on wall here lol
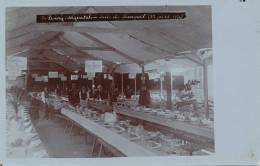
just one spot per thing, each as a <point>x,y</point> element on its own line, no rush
<point>84,76</point>
<point>34,75</point>
<point>45,78</point>
<point>93,66</point>
<point>90,75</point>
<point>132,75</point>
<point>38,79</point>
<point>153,76</point>
<point>74,77</point>
<point>53,74</point>
<point>63,78</point>
<point>15,65</point>
<point>61,75</point>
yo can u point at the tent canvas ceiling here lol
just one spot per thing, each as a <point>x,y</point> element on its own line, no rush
<point>114,41</point>
<point>109,56</point>
<point>158,66</point>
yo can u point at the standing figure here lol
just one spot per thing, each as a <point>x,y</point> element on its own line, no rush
<point>58,90</point>
<point>45,100</point>
<point>100,95</point>
<point>128,92</point>
<point>74,98</point>
<point>92,93</point>
<point>83,93</point>
<point>144,98</point>
<point>84,96</point>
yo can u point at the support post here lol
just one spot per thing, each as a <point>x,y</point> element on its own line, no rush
<point>168,89</point>
<point>135,85</point>
<point>161,87</point>
<point>205,88</point>
<point>122,86</point>
<point>93,82</point>
<point>26,80</point>
<point>171,85</point>
<point>26,75</point>
<point>113,82</point>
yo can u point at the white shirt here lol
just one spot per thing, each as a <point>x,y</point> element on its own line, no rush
<point>44,99</point>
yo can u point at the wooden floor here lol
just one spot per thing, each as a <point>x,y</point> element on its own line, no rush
<point>59,144</point>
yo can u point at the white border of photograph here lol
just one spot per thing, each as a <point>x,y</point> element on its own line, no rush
<point>236,85</point>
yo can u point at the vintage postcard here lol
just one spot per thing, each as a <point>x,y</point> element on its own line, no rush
<point>157,83</point>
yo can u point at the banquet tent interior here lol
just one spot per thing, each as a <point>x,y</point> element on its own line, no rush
<point>168,56</point>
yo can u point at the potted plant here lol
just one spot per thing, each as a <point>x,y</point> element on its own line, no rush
<point>17,95</point>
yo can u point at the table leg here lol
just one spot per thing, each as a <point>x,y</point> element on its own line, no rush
<point>66,125</point>
<point>93,147</point>
<point>71,127</point>
<point>100,149</point>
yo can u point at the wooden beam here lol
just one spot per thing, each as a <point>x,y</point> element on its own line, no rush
<point>58,37</point>
<point>115,50</point>
<point>39,61</point>
<point>47,47</point>
<point>46,69</point>
<point>17,41</point>
<point>50,55</point>
<point>28,28</point>
<point>18,52</point>
<point>44,39</point>
<point>197,61</point>
<point>43,61</point>
<point>65,61</point>
<point>34,64</point>
<point>191,58</point>
<point>61,28</point>
<point>73,46</point>
<point>13,46</point>
<point>17,34</point>
<point>82,53</point>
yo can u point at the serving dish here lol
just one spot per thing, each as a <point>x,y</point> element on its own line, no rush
<point>134,137</point>
<point>154,144</point>
<point>119,129</point>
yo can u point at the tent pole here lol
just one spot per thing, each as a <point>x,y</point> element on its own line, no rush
<point>171,85</point>
<point>135,85</point>
<point>92,82</point>
<point>27,77</point>
<point>205,88</point>
<point>113,82</point>
<point>122,80</point>
<point>26,80</point>
<point>168,89</point>
<point>161,87</point>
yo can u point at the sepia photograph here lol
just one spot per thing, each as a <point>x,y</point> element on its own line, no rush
<point>109,81</point>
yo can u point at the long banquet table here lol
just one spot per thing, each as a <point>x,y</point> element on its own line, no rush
<point>179,125</point>
<point>115,140</point>
<point>100,105</point>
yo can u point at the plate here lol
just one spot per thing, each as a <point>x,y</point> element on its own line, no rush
<point>154,145</point>
<point>119,129</point>
<point>107,125</point>
<point>96,120</point>
<point>134,137</point>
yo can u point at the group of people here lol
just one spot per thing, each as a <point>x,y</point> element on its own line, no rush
<point>45,100</point>
<point>189,84</point>
<point>77,95</point>
<point>80,96</point>
<point>185,95</point>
